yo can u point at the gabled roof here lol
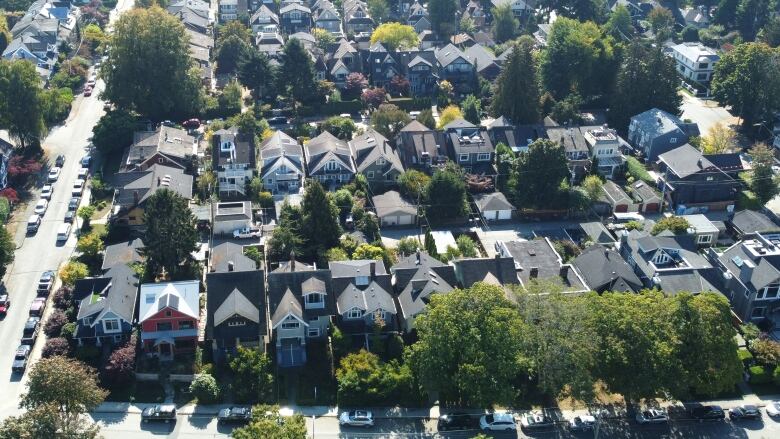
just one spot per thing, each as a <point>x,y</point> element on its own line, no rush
<point>226,253</point>
<point>289,305</point>
<point>372,298</point>
<point>419,60</point>
<point>264,11</point>
<point>123,253</point>
<point>458,123</point>
<point>615,193</point>
<point>294,7</point>
<point>117,294</point>
<point>448,54</point>
<point>415,126</point>
<point>236,304</point>
<point>391,203</point>
<point>324,148</point>
<point>173,142</point>
<point>492,201</point>
<point>368,147</point>
<point>241,147</point>
<point>140,185</point>
<point>750,221</point>
<point>473,270</point>
<point>480,56</point>
<point>686,160</point>
<point>417,277</point>
<point>605,269</point>
<point>182,296</point>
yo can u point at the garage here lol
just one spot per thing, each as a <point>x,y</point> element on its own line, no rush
<point>494,206</point>
<point>393,210</point>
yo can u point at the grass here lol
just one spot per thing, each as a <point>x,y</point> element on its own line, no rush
<point>182,395</point>
<point>747,200</point>
<point>100,213</point>
<point>138,391</point>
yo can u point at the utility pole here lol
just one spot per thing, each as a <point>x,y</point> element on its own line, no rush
<point>663,189</point>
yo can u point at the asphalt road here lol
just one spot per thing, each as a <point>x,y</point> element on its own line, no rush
<point>705,113</point>
<point>129,426</point>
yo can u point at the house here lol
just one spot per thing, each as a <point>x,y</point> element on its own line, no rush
<point>705,233</point>
<point>603,269</point>
<point>356,17</point>
<point>470,147</point>
<point>728,162</point>
<point>264,20</point>
<point>235,301</point>
<point>301,302</point>
<point>486,63</point>
<point>420,147</point>
<point>499,270</point>
<point>168,315</point>
<point>747,222</point>
<point>594,232</point>
<point>695,61</point>
<point>517,137</point>
<point>393,210</point>
<point>456,68</point>
<point>329,160</point>
<point>230,10</point>
<point>233,159</point>
<point>542,33</point>
<point>668,262</point>
<point>106,307</point>
<point>576,148</point>
<point>428,40</point>
<point>655,132</point>
<point>418,17</point>
<point>604,146</point>
<point>645,197</point>
<point>376,159</point>
<point>751,272</point>
<point>494,206</point>
<point>364,295</point>
<point>696,16</point>
<point>382,65</point>
<point>537,259</point>
<point>327,17</point>
<point>167,146</point>
<point>415,279</point>
<point>422,75</point>
<point>281,158</point>
<point>344,60</point>
<point>521,9</point>
<point>230,216</point>
<point>123,253</point>
<point>295,17</point>
<point>475,12</point>
<point>693,182</point>
<point>617,198</point>
<point>135,187</point>
<point>270,43</point>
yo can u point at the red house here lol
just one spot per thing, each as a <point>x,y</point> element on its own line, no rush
<point>168,315</point>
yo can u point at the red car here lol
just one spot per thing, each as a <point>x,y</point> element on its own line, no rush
<point>5,303</point>
<point>191,123</point>
<point>87,91</point>
<point>37,306</point>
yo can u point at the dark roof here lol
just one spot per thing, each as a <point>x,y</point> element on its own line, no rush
<point>686,160</point>
<point>122,253</point>
<point>117,295</point>
<point>417,277</point>
<point>230,146</point>
<point>222,289</point>
<point>288,304</point>
<point>459,123</point>
<point>377,294</point>
<point>173,142</point>
<point>571,138</point>
<point>280,282</point>
<point>605,270</point>
<point>750,221</point>
<point>537,259</point>
<point>227,252</point>
<point>473,270</point>
<point>143,184</point>
<point>727,162</point>
<point>392,203</point>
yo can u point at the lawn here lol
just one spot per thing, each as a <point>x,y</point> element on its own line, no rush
<point>138,391</point>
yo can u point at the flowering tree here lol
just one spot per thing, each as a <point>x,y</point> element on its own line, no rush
<point>121,363</point>
<point>399,85</point>
<point>354,84</point>
<point>10,194</point>
<point>373,97</point>
<point>20,168</point>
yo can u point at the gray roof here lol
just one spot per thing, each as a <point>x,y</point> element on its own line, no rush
<point>294,7</point>
<point>227,252</point>
<point>492,201</point>
<point>754,272</point>
<point>597,232</point>
<point>359,267</point>
<point>371,298</point>
<point>615,192</point>
<point>324,148</point>
<point>605,270</point>
<point>750,221</point>
<point>538,256</point>
<point>571,138</point>
<point>235,293</point>
<point>118,296</point>
<point>280,282</point>
<point>472,270</point>
<point>448,54</point>
<point>644,192</point>
<point>243,150</point>
<point>458,123</point>
<point>122,253</point>
<point>172,142</point>
<point>368,147</point>
<point>143,184</point>
<point>288,305</point>
<point>480,56</point>
<point>686,160</point>
<point>698,281</point>
<point>391,203</point>
<point>417,277</point>
<point>655,123</point>
<point>642,247</point>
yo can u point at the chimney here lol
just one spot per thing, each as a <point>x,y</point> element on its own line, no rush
<point>158,181</point>
<point>534,273</point>
<point>292,260</point>
<point>136,197</point>
<point>372,269</point>
<point>418,257</point>
<point>564,272</point>
<point>699,163</point>
<point>230,265</point>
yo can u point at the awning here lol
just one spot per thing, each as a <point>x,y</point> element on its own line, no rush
<point>161,340</point>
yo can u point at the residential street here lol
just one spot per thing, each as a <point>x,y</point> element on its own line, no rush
<point>705,113</point>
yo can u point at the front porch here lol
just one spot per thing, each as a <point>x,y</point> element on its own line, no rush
<point>291,352</point>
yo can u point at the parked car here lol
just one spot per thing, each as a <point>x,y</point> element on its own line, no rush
<point>535,421</point>
<point>497,422</point>
<point>78,188</point>
<point>54,174</point>
<point>168,123</point>
<point>69,216</point>
<point>5,303</point>
<point>277,120</point>
<point>45,282</point>
<point>88,90</point>
<point>246,232</point>
<point>63,232</point>
<point>582,423</point>
<point>745,411</point>
<point>708,413</point>
<point>773,409</point>
<point>191,123</point>
<point>85,161</point>
<point>33,223</point>
<point>457,421</point>
<point>59,161</point>
<point>46,191</point>
<point>83,173</point>
<point>652,416</point>
<point>37,307</point>
<point>357,418</point>
<point>31,328</point>
<point>41,206</point>
<point>73,204</point>
<point>159,412</point>
<point>20,358</point>
<point>234,414</point>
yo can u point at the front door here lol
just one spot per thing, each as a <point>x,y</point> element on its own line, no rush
<point>165,349</point>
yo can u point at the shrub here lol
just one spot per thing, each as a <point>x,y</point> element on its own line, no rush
<point>759,375</point>
<point>766,352</point>
<point>205,388</point>
<point>638,171</point>
<point>68,330</point>
<point>749,332</point>
<point>407,246</point>
<point>63,298</point>
<point>88,354</point>
<point>567,249</point>
<point>634,225</point>
<point>55,346</point>
<point>121,363</point>
<point>54,325</point>
<point>676,224</point>
<point>745,356</point>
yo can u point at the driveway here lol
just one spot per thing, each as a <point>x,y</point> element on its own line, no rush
<point>705,113</point>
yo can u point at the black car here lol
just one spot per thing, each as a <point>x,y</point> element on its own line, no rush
<point>31,328</point>
<point>73,204</point>
<point>708,413</point>
<point>69,216</point>
<point>60,161</point>
<point>457,421</point>
<point>746,411</point>
<point>160,412</point>
<point>278,120</point>
<point>20,358</point>
<point>235,414</point>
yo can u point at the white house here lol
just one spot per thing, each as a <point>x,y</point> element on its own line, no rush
<point>281,158</point>
<point>604,145</point>
<point>695,61</point>
<point>231,216</point>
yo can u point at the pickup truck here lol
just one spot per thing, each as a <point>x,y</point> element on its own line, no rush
<point>246,232</point>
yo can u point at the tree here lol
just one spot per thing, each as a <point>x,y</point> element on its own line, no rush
<point>751,16</point>
<point>448,115</point>
<point>619,24</point>
<point>21,102</point>
<point>407,246</point>
<point>647,78</point>
<point>398,85</point>
<point>676,224</point>
<point>364,379</point>
<point>373,97</point>
<point>726,12</point>
<point>379,10</point>
<point>430,244</point>
<point>44,422</point>
<point>149,69</point>
<point>468,25</point>
<point>229,101</point>
<point>446,194</point>
<point>257,74</point>
<point>231,52</point>
<point>341,127</point>
<point>445,92</point>
<point>505,161</point>
<point>85,213</point>
<point>55,346</point>
<point>266,424</point>
<point>234,28</point>
<point>55,322</point>
<point>466,368</point>
<point>7,249</point>
<point>467,246</point>
<point>540,172</point>
<point>747,79</point>
<point>770,33</point>
<point>323,38</point>
<point>354,85</point>
<point>766,352</point>
<point>388,120</point>
<point>719,139</point>
<point>516,94</point>
<point>504,23</point>
<point>593,188</point>
<point>67,385</point>
<point>763,182</point>
<point>568,110</point>
<point>320,222</point>
<point>395,36</point>
<point>287,236</point>
<point>296,76</point>
<point>368,251</point>
<point>441,13</point>
<point>413,183</point>
<point>90,245</point>
<point>114,131</point>
<point>121,363</point>
<point>73,271</point>
<point>471,109</point>
<point>426,118</point>
<point>690,33</point>
<point>206,183</point>
<point>205,388</point>
<point>170,235</point>
<point>661,22</point>
<point>252,375</point>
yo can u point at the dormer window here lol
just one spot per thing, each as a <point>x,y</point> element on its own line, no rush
<point>331,166</point>
<point>354,313</point>
<point>361,280</point>
<point>314,300</point>
<point>291,323</point>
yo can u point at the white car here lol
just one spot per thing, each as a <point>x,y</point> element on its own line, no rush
<point>652,416</point>
<point>83,172</point>
<point>246,232</point>
<point>47,191</point>
<point>78,188</point>
<point>773,409</point>
<point>357,418</point>
<point>54,174</point>
<point>497,422</point>
<point>41,206</point>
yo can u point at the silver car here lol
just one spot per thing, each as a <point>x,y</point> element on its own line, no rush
<point>357,418</point>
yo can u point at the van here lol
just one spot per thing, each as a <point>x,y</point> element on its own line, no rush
<point>33,223</point>
<point>63,232</point>
<point>624,217</point>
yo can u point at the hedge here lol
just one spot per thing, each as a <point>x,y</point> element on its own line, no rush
<point>638,171</point>
<point>745,356</point>
<point>759,375</point>
<point>340,107</point>
<point>411,104</point>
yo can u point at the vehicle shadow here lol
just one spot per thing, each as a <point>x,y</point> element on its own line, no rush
<point>200,421</point>
<point>162,428</point>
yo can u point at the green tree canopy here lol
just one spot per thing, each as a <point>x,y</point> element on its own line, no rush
<point>252,375</point>
<point>363,379</point>
<point>762,179</point>
<point>388,120</point>
<point>540,172</point>
<point>22,104</point>
<point>442,14</point>
<point>257,74</point>
<point>296,76</point>
<point>517,94</point>
<point>341,127</point>
<point>170,235</point>
<point>504,23</point>
<point>231,53</point>
<point>413,183</point>
<point>114,131</point>
<point>395,36</point>
<point>7,249</point>
<point>471,108</point>
<point>320,222</point>
<point>619,24</point>
<point>265,424</point>
<point>446,194</point>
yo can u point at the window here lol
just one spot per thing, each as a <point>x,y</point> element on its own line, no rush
<point>673,140</point>
<point>87,321</point>
<point>370,174</point>
<point>701,77</point>
<point>380,161</point>
<point>160,160</point>
<point>331,166</point>
<point>291,323</point>
<point>186,324</point>
<point>241,322</point>
<point>770,292</point>
<point>704,65</point>
<point>164,326</point>
<point>710,178</point>
<point>111,325</point>
<point>483,157</point>
<point>314,300</point>
<point>704,239</point>
<point>361,280</point>
<point>167,313</point>
<point>464,157</point>
<point>757,312</point>
<point>313,332</point>
<point>354,313</point>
